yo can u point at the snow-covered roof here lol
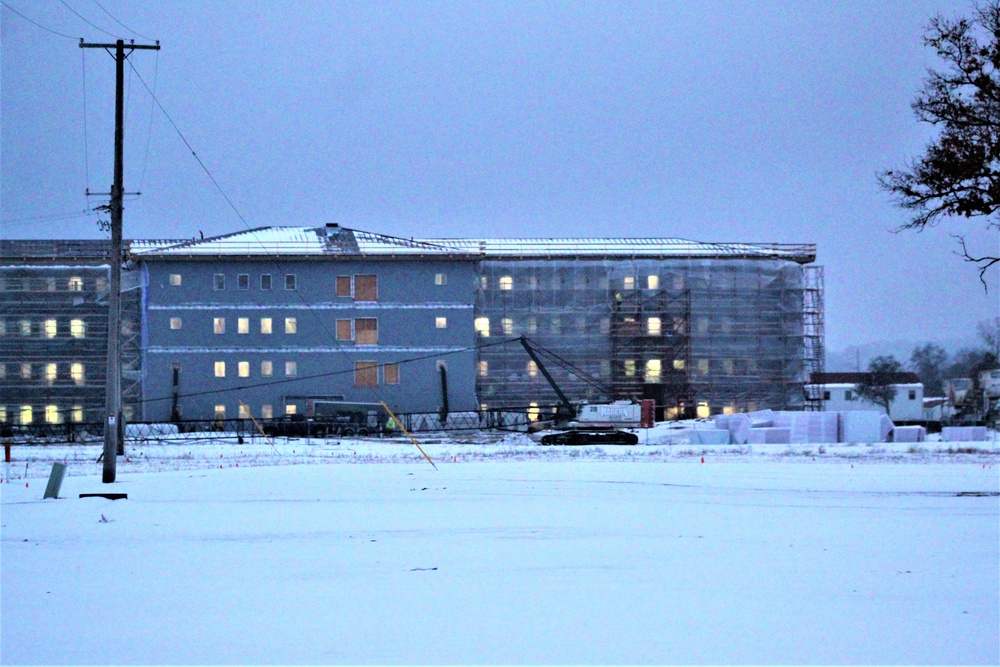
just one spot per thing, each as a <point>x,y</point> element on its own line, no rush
<point>335,240</point>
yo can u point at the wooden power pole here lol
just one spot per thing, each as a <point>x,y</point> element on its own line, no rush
<point>113,401</point>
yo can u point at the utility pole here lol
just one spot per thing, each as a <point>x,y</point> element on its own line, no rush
<point>113,401</point>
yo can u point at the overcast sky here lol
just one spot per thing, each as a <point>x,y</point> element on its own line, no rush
<point>711,121</point>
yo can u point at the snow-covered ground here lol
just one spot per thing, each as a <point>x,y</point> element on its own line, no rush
<point>508,552</point>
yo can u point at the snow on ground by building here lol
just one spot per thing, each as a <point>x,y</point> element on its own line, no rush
<point>508,552</point>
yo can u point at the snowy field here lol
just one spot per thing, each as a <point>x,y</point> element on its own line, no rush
<point>361,552</point>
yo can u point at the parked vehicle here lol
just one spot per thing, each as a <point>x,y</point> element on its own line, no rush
<point>295,426</point>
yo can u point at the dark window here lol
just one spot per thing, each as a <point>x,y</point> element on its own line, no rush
<point>243,281</point>
<point>913,394</point>
<point>220,281</point>
<point>289,281</point>
<point>265,281</point>
<point>826,396</point>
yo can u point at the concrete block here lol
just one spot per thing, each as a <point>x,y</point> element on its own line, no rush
<point>860,426</point>
<point>909,434</point>
<point>773,435</point>
<point>709,436</point>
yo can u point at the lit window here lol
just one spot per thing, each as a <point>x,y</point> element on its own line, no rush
<point>243,325</point>
<point>77,413</point>
<point>3,328</point>
<point>703,366</point>
<point>440,279</point>
<point>25,328</point>
<point>50,284</point>
<point>175,279</point>
<point>652,282</point>
<point>75,284</point>
<point>244,412</point>
<point>290,325</point>
<point>27,415</point>
<point>678,364</point>
<point>76,372</point>
<point>243,281</point>
<point>390,373</point>
<point>219,325</point>
<point>343,330</point>
<point>366,288</point>
<point>532,325</point>
<point>484,283</point>
<point>654,369</point>
<point>703,411</point>
<point>533,411</point>
<point>291,368</point>
<point>267,411</point>
<point>441,322</point>
<point>175,323</point>
<point>3,413</point>
<point>654,326</point>
<point>220,369</point>
<point>727,366</point>
<point>220,411</point>
<point>244,369</point>
<point>506,282</point>
<point>508,326</point>
<point>484,368</point>
<point>50,374</point>
<point>630,367</point>
<point>291,409</point>
<point>555,326</point>
<point>219,281</point>
<point>629,282</point>
<point>51,328</point>
<point>52,415</point>
<point>266,368</point>
<point>532,369</point>
<point>25,371</point>
<point>702,324</point>
<point>365,374</point>
<point>3,371</point>
<point>482,325</point>
<point>265,281</point>
<point>289,281</point>
<point>366,331</point>
<point>265,325</point>
<point>343,286</point>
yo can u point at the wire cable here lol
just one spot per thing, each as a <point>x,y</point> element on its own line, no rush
<point>137,34</point>
<point>86,21</point>
<point>86,143</point>
<point>152,109</point>
<point>37,25</point>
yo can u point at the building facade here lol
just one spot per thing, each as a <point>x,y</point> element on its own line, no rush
<point>269,321</point>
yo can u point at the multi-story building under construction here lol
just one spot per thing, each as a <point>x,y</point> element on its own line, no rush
<point>268,321</point>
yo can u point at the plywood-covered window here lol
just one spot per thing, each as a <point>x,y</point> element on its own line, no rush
<point>265,325</point>
<point>243,325</point>
<point>344,330</point>
<point>365,373</point>
<point>441,322</point>
<point>390,373</point>
<point>291,369</point>
<point>175,323</point>
<point>267,411</point>
<point>220,369</point>
<point>366,331</point>
<point>77,373</point>
<point>266,368</point>
<point>175,279</point>
<point>343,286</point>
<point>366,288</point>
<point>291,325</point>
<point>244,369</point>
<point>219,325</point>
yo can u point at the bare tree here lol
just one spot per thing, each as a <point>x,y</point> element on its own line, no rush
<point>959,173</point>
<point>989,333</point>
<point>877,385</point>
<point>928,361</point>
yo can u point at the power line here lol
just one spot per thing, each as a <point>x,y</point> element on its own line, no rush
<point>149,131</point>
<point>85,20</point>
<point>137,34</point>
<point>36,24</point>
<point>86,143</point>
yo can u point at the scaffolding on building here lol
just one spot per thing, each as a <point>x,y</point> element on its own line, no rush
<point>698,335</point>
